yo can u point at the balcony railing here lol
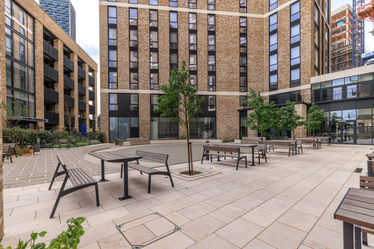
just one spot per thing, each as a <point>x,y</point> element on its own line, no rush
<point>91,95</point>
<point>81,73</point>
<point>283,98</point>
<point>81,121</point>
<point>53,118</point>
<point>82,89</point>
<point>69,100</point>
<point>68,64</point>
<point>91,80</point>
<point>50,73</point>
<point>50,95</point>
<point>50,50</point>
<point>92,109</point>
<point>82,106</point>
<point>68,82</point>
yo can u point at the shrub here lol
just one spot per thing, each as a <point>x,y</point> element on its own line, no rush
<point>67,240</point>
<point>60,135</point>
<point>96,136</point>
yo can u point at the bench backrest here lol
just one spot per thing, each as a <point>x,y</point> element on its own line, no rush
<point>277,143</point>
<point>60,162</point>
<point>63,141</point>
<point>152,156</point>
<point>370,168</point>
<point>222,148</point>
<point>6,148</point>
<point>367,182</point>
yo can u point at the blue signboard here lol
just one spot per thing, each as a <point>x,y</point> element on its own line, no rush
<point>83,130</point>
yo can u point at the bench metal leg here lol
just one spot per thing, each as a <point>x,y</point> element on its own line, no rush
<point>171,180</point>
<point>59,197</point>
<point>358,237</point>
<point>246,165</point>
<point>125,183</point>
<point>121,170</point>
<point>364,238</point>
<point>56,174</point>
<point>149,183</point>
<point>347,235</point>
<point>103,172</point>
<point>237,163</point>
<point>97,194</point>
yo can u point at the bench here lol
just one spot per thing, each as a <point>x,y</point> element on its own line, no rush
<point>63,141</point>
<point>218,149</point>
<point>78,178</point>
<point>45,144</point>
<point>327,140</point>
<point>138,141</point>
<point>262,149</point>
<point>153,157</point>
<point>279,145</point>
<point>251,140</point>
<point>7,153</point>
<point>370,168</point>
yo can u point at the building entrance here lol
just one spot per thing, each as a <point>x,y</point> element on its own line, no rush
<point>343,132</point>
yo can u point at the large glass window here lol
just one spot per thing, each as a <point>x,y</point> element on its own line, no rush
<point>112,33</point>
<point>273,52</point>
<point>192,4</point>
<point>204,128</point>
<point>112,15</point>
<point>211,4</point>
<point>27,101</point>
<point>113,80</point>
<point>273,4</point>
<point>163,129</point>
<point>243,6</point>
<point>174,20</point>
<point>173,3</point>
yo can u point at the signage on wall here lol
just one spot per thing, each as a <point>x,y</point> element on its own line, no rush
<point>28,119</point>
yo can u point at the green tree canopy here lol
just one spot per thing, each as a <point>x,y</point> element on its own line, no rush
<point>315,118</point>
<point>289,119</point>
<point>264,115</point>
<point>180,102</point>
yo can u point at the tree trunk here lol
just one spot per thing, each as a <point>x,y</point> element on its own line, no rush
<point>262,137</point>
<point>188,148</point>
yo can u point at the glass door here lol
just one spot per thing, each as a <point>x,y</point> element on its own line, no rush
<point>335,129</point>
<point>349,129</point>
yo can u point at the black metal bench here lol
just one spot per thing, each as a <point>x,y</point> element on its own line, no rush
<point>154,157</point>
<point>7,153</point>
<point>78,178</point>
<point>225,149</point>
<point>63,141</point>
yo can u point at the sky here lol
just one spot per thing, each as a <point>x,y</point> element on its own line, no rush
<point>87,14</point>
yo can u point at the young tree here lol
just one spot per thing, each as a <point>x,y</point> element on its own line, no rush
<point>13,114</point>
<point>289,119</point>
<point>181,103</point>
<point>315,118</point>
<point>264,115</point>
<point>68,116</point>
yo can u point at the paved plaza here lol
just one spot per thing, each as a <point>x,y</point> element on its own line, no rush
<point>286,203</point>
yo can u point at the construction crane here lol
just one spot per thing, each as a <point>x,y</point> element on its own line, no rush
<point>358,34</point>
<point>366,12</point>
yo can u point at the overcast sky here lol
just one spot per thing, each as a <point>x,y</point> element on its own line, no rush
<point>87,14</point>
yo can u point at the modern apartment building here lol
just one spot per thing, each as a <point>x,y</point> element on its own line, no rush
<point>63,13</point>
<point>341,38</point>
<point>46,70</point>
<point>230,46</point>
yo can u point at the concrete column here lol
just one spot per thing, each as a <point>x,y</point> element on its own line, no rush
<point>302,111</point>
<point>39,72</point>
<point>104,120</point>
<point>59,86</point>
<point>74,76</point>
<point>144,115</point>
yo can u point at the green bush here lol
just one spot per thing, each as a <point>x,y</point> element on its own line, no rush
<point>100,136</point>
<point>60,135</point>
<point>228,140</point>
<point>24,137</point>
<point>66,240</point>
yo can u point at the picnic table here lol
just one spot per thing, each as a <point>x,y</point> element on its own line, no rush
<point>116,157</point>
<point>356,209</point>
<point>240,146</point>
<point>309,140</point>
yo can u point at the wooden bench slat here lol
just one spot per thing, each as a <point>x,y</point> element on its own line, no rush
<point>142,168</point>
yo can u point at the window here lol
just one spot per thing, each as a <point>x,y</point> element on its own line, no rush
<point>211,4</point>
<point>243,6</point>
<point>112,33</point>
<point>8,42</point>
<point>173,3</point>
<point>193,79</point>
<point>273,82</point>
<point>211,83</point>
<point>211,22</point>
<point>133,43</point>
<point>113,80</point>
<point>134,80</point>
<point>243,54</point>
<point>174,61</point>
<point>211,43</point>
<point>133,59</point>
<point>192,4</point>
<point>243,84</point>
<point>316,36</point>
<point>154,81</point>
<point>295,55</point>
<point>327,50</point>
<point>352,91</point>
<point>112,58</point>
<point>113,102</point>
<point>174,20</point>
<point>243,24</point>
<point>295,11</point>
<point>242,100</point>
<point>193,62</point>
<point>337,93</point>
<point>133,1</point>
<point>211,63</point>
<point>133,17</point>
<point>295,33</point>
<point>153,2</point>
<point>133,38</point>
<point>316,58</point>
<point>295,44</point>
<point>8,6</point>
<point>192,21</point>
<point>273,22</point>
<point>327,12</point>
<point>295,74</point>
<point>273,4</point>
<point>153,60</point>
<point>112,15</point>
<point>153,18</point>
<point>316,15</point>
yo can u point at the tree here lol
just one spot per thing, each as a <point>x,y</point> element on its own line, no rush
<point>289,119</point>
<point>69,118</point>
<point>181,103</point>
<point>264,115</point>
<point>315,118</point>
<point>13,114</point>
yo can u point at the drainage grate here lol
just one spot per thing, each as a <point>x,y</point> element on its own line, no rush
<point>147,229</point>
<point>358,170</point>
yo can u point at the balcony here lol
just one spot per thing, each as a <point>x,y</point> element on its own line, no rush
<point>72,121</point>
<point>91,80</point>
<point>53,118</point>
<point>92,109</point>
<point>68,82</point>
<point>50,73</point>
<point>82,106</point>
<point>82,89</point>
<point>81,121</point>
<point>50,95</point>
<point>281,99</point>
<point>69,101</point>
<point>68,64</point>
<point>81,73</point>
<point>91,95</point>
<point>50,50</point>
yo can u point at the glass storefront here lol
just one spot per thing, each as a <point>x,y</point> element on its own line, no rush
<point>163,129</point>
<point>204,128</point>
<point>123,128</point>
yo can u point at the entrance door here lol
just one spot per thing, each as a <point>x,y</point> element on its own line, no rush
<point>335,134</point>
<point>343,132</point>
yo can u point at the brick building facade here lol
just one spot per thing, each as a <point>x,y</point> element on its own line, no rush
<point>46,69</point>
<point>230,46</point>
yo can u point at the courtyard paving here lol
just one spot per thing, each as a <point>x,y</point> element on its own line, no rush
<point>286,203</point>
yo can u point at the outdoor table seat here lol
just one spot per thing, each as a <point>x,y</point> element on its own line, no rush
<point>370,168</point>
<point>45,144</point>
<point>262,148</point>
<point>154,157</point>
<point>218,149</point>
<point>7,153</point>
<point>63,141</point>
<point>78,178</point>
